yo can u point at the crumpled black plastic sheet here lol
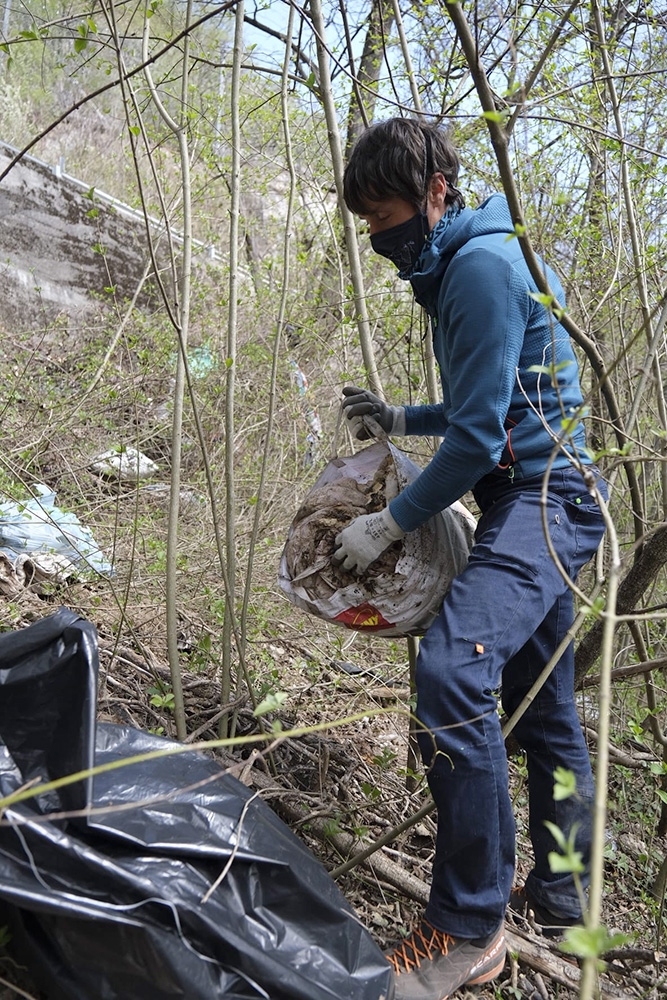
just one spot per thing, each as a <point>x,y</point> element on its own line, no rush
<point>109,905</point>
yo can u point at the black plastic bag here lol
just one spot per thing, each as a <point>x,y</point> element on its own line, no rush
<point>108,906</point>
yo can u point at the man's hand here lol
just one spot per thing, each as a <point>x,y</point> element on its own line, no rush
<point>358,545</point>
<point>358,403</point>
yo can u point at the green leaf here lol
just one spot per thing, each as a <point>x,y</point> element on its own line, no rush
<point>496,116</point>
<point>550,302</point>
<point>310,82</point>
<point>92,27</point>
<point>560,863</point>
<point>591,942</point>
<point>163,701</point>
<point>331,827</point>
<point>568,860</point>
<point>597,607</point>
<point>83,30</point>
<point>568,424</point>
<point>549,370</point>
<point>565,784</point>
<point>135,129</point>
<point>519,230</point>
<point>80,44</point>
<point>271,703</point>
<point>545,300</point>
<point>557,834</point>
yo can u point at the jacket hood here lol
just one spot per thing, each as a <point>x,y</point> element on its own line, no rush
<point>456,228</point>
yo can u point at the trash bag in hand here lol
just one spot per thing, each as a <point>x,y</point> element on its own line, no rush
<point>401,592</point>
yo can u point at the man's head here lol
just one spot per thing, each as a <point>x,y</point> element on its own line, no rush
<point>396,159</point>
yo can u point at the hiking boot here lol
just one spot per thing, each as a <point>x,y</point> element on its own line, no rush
<point>551,925</point>
<point>430,965</point>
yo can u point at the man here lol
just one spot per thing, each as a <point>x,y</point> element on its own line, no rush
<point>511,399</point>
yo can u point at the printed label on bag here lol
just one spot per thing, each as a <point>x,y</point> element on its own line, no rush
<point>364,616</point>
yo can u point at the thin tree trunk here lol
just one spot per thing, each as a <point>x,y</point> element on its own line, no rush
<point>287,250</point>
<point>589,975</point>
<point>380,23</point>
<point>230,363</point>
<point>348,219</point>
<point>179,130</point>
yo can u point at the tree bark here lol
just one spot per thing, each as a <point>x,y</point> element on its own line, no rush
<point>652,559</point>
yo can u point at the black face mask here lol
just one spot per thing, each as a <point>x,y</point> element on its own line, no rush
<point>402,244</point>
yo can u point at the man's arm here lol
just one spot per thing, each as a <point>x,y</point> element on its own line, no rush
<point>483,308</point>
<point>428,420</point>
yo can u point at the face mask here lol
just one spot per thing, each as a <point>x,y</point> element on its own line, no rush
<point>402,244</point>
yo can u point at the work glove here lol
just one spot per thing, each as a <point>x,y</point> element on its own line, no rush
<point>358,545</point>
<point>358,403</point>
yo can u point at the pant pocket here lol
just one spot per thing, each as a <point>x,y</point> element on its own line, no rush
<point>515,537</point>
<point>589,529</point>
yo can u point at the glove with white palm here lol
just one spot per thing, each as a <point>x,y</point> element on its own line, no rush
<point>366,538</point>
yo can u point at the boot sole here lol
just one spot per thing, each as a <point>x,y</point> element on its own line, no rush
<point>486,977</point>
<point>489,974</point>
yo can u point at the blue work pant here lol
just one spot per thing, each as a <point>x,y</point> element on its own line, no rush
<point>499,625</point>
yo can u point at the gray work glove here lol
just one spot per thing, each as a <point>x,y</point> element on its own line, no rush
<point>358,403</point>
<point>366,538</point>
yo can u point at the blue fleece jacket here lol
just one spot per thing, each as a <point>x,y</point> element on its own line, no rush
<point>487,333</point>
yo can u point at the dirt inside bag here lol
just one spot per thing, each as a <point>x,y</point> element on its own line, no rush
<point>402,591</point>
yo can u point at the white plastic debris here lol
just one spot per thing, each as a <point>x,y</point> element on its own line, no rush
<point>126,464</point>
<point>40,541</point>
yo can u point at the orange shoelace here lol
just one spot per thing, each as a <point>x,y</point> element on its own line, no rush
<point>409,953</point>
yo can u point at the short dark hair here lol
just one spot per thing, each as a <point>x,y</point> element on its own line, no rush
<point>397,158</point>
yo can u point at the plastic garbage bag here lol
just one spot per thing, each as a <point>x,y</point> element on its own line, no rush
<point>54,540</point>
<point>402,591</point>
<point>173,880</point>
<point>125,464</point>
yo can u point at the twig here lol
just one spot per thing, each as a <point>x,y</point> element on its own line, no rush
<point>214,718</point>
<point>621,673</point>
<point>17,989</point>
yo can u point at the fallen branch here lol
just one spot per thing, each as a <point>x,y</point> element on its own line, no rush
<point>645,667</point>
